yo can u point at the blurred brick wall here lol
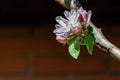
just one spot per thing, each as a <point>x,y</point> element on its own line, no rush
<point>32,53</point>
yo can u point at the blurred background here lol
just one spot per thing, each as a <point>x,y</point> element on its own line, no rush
<point>29,51</point>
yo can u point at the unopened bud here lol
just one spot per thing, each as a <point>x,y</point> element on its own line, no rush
<point>62,39</point>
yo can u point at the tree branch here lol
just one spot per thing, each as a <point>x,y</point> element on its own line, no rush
<point>100,39</point>
<point>104,44</point>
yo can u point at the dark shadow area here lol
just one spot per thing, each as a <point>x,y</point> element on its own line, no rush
<point>32,12</point>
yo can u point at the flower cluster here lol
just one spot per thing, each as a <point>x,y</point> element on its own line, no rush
<point>74,22</point>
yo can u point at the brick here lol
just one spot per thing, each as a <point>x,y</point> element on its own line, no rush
<point>34,78</point>
<point>68,65</point>
<point>97,78</point>
<point>12,65</point>
<point>114,65</point>
<point>26,45</point>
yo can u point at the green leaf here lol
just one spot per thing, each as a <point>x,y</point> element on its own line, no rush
<point>90,29</point>
<point>74,48</point>
<point>71,39</point>
<point>89,42</point>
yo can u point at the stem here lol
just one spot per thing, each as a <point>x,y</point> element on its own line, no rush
<point>100,39</point>
<point>104,44</point>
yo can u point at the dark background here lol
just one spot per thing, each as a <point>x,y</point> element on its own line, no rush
<point>29,50</point>
<point>21,12</point>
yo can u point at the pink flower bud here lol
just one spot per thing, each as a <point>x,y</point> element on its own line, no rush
<point>81,18</point>
<point>62,39</point>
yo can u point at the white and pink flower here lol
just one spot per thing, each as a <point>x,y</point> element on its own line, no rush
<point>72,23</point>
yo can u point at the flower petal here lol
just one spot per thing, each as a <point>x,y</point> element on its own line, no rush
<point>58,26</point>
<point>67,14</point>
<point>80,10</point>
<point>60,30</point>
<point>89,15</point>
<point>72,14</point>
<point>61,21</point>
